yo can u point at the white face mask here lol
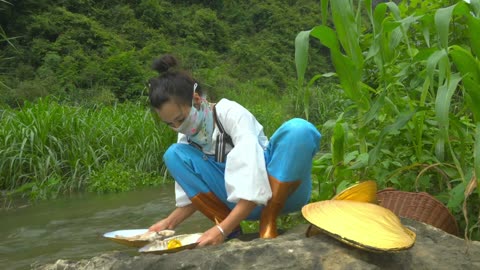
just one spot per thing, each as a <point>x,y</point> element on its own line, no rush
<point>198,125</point>
<point>191,123</point>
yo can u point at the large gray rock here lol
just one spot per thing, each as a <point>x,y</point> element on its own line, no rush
<point>433,249</point>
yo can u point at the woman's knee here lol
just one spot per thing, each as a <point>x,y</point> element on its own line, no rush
<point>298,129</point>
<point>173,154</point>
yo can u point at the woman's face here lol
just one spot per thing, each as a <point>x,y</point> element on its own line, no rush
<point>173,114</point>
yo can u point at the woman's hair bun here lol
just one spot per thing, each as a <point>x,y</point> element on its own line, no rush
<point>164,63</point>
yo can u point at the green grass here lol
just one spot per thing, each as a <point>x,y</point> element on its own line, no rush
<point>49,146</point>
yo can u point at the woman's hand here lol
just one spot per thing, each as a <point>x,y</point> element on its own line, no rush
<point>159,226</point>
<point>214,237</point>
<point>211,237</point>
<point>176,217</point>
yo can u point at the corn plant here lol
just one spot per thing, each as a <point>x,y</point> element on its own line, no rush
<point>414,84</point>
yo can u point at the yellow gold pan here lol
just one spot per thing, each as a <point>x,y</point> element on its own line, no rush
<point>137,237</point>
<point>364,225</point>
<point>362,192</point>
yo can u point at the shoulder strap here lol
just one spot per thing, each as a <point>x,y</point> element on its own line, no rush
<point>219,125</point>
<point>222,139</point>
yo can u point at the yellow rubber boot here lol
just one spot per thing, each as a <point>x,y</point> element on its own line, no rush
<point>211,206</point>
<point>214,209</point>
<point>280,193</point>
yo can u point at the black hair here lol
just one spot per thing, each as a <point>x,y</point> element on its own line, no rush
<point>171,84</point>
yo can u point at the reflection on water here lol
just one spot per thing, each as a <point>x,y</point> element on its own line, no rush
<point>72,228</point>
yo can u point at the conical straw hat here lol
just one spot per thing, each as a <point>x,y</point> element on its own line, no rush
<point>364,225</point>
<point>362,192</point>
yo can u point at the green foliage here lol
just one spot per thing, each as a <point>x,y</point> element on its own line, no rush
<point>80,46</point>
<point>44,190</point>
<point>267,107</point>
<point>207,31</point>
<point>115,177</point>
<point>156,14</point>
<point>46,140</point>
<point>411,122</point>
<point>126,80</point>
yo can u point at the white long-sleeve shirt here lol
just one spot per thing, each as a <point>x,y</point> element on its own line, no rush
<point>245,172</point>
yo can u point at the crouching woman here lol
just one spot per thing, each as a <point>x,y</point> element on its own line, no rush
<point>223,164</point>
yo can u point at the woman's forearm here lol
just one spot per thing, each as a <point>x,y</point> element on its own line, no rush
<point>179,215</point>
<point>239,212</point>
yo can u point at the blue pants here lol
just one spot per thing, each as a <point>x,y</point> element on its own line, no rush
<point>288,158</point>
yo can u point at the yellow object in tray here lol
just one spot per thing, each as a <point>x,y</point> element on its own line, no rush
<point>174,243</point>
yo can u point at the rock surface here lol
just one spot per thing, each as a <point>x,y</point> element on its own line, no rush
<point>433,249</point>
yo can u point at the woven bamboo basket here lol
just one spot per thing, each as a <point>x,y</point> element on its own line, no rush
<point>419,206</point>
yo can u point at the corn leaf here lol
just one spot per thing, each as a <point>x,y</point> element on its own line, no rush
<point>401,121</point>
<point>394,9</point>
<point>368,6</point>
<point>473,31</point>
<point>375,108</point>
<point>338,143</point>
<point>476,7</point>
<point>347,30</point>
<point>327,36</point>
<point>442,24</point>
<point>345,68</point>
<point>379,16</point>
<point>442,108</point>
<point>432,63</point>
<point>301,55</point>
<point>324,11</point>
<point>426,22</point>
<point>469,68</point>
<point>476,155</point>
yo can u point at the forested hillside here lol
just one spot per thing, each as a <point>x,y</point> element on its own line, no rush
<point>100,51</point>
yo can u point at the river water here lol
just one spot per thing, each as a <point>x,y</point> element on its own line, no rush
<point>72,228</point>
